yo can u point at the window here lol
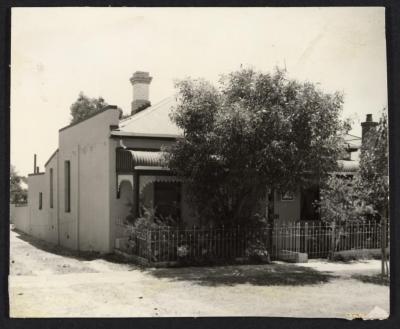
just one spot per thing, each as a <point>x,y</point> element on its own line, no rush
<point>40,200</point>
<point>167,200</point>
<point>51,187</point>
<point>67,185</point>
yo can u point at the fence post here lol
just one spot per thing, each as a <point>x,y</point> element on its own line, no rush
<point>306,237</point>
<point>333,239</point>
<point>148,238</point>
<point>384,271</point>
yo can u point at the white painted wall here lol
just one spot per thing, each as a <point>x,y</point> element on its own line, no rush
<point>86,146</point>
<point>40,224</point>
<point>19,216</point>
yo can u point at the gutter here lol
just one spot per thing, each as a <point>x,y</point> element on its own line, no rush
<point>119,134</point>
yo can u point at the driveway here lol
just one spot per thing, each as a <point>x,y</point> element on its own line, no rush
<point>46,281</point>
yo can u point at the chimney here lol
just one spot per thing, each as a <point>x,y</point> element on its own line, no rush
<point>367,126</point>
<point>140,82</point>
<point>34,164</point>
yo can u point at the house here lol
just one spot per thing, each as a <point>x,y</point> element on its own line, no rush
<point>105,167</point>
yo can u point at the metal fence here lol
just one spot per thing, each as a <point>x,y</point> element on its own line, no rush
<point>195,245</point>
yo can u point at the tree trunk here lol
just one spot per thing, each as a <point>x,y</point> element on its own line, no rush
<point>271,217</point>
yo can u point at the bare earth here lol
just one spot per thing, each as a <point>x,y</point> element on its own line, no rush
<point>46,281</point>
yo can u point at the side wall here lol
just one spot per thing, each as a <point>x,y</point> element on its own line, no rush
<point>40,225</point>
<point>19,216</point>
<point>52,209</point>
<point>39,222</point>
<point>86,146</point>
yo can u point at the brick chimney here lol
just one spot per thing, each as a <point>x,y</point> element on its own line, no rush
<point>367,126</point>
<point>140,82</point>
<point>34,163</point>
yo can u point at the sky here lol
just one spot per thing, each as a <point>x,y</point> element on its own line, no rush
<point>58,52</point>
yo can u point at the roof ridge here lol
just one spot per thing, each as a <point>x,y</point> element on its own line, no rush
<point>353,135</point>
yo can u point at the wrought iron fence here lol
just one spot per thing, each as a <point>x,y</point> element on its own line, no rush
<point>197,245</point>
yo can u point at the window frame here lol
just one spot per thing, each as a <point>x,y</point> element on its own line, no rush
<point>67,186</point>
<point>40,200</point>
<point>51,194</point>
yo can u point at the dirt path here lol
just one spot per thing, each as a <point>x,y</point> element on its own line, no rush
<point>46,281</point>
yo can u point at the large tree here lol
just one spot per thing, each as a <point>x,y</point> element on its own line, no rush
<point>85,106</point>
<point>18,194</point>
<point>365,196</point>
<point>374,179</point>
<point>255,130</point>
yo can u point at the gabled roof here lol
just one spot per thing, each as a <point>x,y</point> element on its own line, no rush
<point>353,142</point>
<point>153,121</point>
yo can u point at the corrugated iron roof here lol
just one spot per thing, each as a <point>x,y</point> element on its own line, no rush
<point>129,160</point>
<point>153,120</point>
<point>147,158</point>
<point>348,165</point>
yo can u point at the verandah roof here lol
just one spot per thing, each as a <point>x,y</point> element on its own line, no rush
<point>129,160</point>
<point>348,165</point>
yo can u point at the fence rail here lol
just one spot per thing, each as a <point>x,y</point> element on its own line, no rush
<point>195,245</point>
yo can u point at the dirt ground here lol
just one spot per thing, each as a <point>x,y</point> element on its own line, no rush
<point>46,281</point>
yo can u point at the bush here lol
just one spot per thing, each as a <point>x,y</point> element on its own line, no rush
<point>149,220</point>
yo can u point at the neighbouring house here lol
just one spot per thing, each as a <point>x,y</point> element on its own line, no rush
<point>104,167</point>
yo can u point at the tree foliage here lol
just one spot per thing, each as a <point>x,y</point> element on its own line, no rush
<point>374,167</point>
<point>254,130</point>
<point>85,106</point>
<point>18,194</point>
<point>341,202</point>
<point>365,196</point>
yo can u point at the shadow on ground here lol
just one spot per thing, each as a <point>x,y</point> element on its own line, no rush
<point>74,254</point>
<point>258,275</point>
<point>374,279</point>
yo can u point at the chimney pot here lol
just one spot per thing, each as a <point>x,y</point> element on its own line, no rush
<point>369,118</point>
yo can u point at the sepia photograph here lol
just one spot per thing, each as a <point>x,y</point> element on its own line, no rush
<point>199,162</point>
